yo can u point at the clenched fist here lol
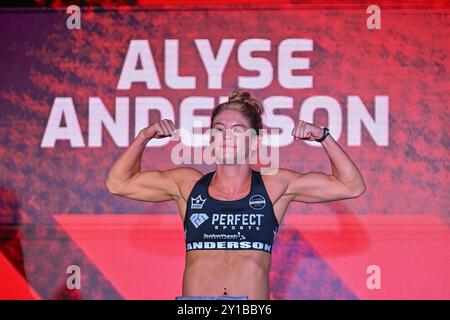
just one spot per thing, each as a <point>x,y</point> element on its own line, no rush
<point>159,129</point>
<point>306,131</point>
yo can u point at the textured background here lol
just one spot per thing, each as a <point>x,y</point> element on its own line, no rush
<point>55,211</point>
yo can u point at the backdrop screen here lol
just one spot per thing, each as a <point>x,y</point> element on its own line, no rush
<point>73,98</point>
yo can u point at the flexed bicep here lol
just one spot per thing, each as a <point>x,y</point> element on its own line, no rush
<point>313,187</point>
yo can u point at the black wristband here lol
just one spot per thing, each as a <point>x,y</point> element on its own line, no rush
<point>326,133</point>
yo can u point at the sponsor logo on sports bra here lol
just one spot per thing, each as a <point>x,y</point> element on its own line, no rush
<point>257,202</point>
<point>198,218</point>
<point>197,203</point>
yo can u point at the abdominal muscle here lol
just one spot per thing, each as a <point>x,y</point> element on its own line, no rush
<point>238,272</point>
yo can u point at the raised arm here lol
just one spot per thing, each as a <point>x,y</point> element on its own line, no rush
<point>345,182</point>
<point>125,178</point>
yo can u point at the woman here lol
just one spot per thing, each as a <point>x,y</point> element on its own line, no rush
<point>231,215</point>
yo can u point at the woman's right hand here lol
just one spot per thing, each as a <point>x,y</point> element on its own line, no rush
<point>159,129</point>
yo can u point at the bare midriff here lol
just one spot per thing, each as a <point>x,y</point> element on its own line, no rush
<point>227,272</point>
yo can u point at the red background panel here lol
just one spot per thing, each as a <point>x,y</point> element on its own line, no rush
<point>399,224</point>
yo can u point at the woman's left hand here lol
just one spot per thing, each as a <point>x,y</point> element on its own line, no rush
<point>306,131</point>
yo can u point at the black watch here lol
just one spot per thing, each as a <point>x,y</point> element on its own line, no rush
<point>326,133</point>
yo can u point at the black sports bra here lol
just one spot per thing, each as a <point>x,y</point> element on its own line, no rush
<point>246,224</point>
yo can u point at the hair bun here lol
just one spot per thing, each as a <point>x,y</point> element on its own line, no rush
<point>238,95</point>
<point>245,97</point>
